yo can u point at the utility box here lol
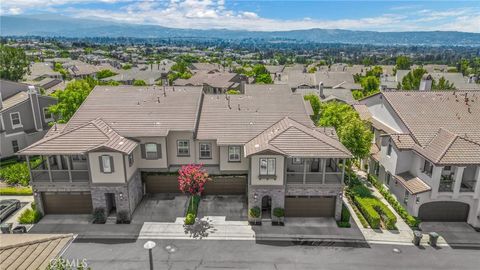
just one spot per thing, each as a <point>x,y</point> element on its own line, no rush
<point>432,239</point>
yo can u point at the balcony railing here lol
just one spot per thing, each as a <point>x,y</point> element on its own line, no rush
<point>60,176</point>
<point>468,186</point>
<point>331,178</point>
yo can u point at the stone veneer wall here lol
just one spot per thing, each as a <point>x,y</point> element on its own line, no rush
<point>277,193</point>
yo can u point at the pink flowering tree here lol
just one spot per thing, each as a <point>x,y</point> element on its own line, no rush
<point>192,179</point>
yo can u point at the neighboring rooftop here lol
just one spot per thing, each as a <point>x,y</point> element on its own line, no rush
<point>214,79</point>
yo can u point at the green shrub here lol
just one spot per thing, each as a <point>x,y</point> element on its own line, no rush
<point>16,190</point>
<point>34,206</point>
<point>254,212</point>
<point>365,205</point>
<point>361,191</point>
<point>99,216</point>
<point>343,224</point>
<point>387,216</point>
<point>29,216</point>
<point>123,217</point>
<point>345,214</point>
<point>17,173</point>
<point>359,215</point>
<point>233,92</point>
<point>190,219</point>
<point>193,205</point>
<point>279,212</point>
<point>409,219</point>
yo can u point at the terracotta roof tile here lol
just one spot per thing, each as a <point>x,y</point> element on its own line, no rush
<point>412,184</point>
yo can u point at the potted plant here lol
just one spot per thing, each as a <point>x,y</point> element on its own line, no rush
<point>254,216</point>
<point>99,216</point>
<point>122,217</point>
<point>279,214</point>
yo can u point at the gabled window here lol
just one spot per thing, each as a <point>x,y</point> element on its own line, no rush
<point>205,150</point>
<point>183,148</point>
<point>47,115</point>
<point>15,146</point>
<point>16,120</point>
<point>267,166</point>
<point>234,153</point>
<point>106,164</point>
<point>427,168</point>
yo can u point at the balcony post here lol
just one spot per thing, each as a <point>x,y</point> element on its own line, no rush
<point>324,168</point>
<point>458,181</point>
<point>344,163</point>
<point>49,170</point>
<point>69,169</point>
<point>477,184</point>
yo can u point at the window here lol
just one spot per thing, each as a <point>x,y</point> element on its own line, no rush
<point>15,146</point>
<point>267,166</point>
<point>234,153</point>
<point>376,168</point>
<point>15,119</point>
<point>183,148</point>
<point>389,149</point>
<point>106,164</point>
<point>205,150</point>
<point>405,198</point>
<point>130,160</point>
<point>47,115</point>
<point>447,168</point>
<point>297,161</point>
<point>387,178</point>
<point>427,168</point>
<point>151,151</point>
<point>79,158</point>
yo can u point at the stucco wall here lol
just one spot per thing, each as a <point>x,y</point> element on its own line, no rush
<point>255,170</point>
<point>172,138</point>
<point>383,112</point>
<point>154,163</point>
<point>215,160</point>
<point>225,165</point>
<point>118,175</point>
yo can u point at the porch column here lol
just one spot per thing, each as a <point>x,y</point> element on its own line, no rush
<point>343,170</point>
<point>324,168</point>
<point>477,184</point>
<point>49,170</point>
<point>69,169</point>
<point>458,181</point>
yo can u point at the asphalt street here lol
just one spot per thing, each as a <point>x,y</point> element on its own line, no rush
<point>211,254</point>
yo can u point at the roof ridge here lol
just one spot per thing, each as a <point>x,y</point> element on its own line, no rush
<point>261,132</point>
<point>449,144</point>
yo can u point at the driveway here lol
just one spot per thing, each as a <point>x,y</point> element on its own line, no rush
<point>160,208</point>
<point>455,233</point>
<point>232,207</point>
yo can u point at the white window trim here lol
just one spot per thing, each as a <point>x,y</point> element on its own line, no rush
<point>187,147</point>
<point>209,150</point>
<point>19,119</point>
<point>50,119</point>
<point>267,173</point>
<point>239,153</point>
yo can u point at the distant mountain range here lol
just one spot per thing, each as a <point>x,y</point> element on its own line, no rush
<point>55,25</point>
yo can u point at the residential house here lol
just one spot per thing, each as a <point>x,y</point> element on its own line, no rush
<point>143,73</point>
<point>261,144</point>
<point>426,151</point>
<point>41,70</point>
<point>24,116</point>
<point>213,82</point>
<point>195,67</point>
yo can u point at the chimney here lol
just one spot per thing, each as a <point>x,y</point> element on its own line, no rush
<point>320,90</point>
<point>426,83</point>
<point>37,114</point>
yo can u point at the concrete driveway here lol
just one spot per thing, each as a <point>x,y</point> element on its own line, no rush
<point>160,208</point>
<point>455,233</point>
<point>232,207</point>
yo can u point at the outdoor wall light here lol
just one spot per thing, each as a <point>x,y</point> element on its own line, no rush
<point>417,200</point>
<point>35,193</point>
<point>255,196</point>
<point>120,195</point>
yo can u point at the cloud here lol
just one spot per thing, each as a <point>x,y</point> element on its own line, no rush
<point>215,14</point>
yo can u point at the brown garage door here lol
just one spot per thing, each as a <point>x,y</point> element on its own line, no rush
<point>443,211</point>
<point>162,184</point>
<point>226,185</point>
<point>310,206</point>
<point>67,203</point>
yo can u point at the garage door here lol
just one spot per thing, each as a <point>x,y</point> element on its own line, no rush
<point>310,206</point>
<point>443,211</point>
<point>232,185</point>
<point>161,184</point>
<point>67,203</point>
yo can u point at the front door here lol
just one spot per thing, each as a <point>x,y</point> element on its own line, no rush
<point>111,204</point>
<point>266,207</point>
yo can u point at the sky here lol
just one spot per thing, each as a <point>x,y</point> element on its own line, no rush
<point>266,15</point>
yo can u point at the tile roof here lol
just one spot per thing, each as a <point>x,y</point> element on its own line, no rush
<point>31,251</point>
<point>375,152</point>
<point>214,79</point>
<point>412,184</point>
<point>365,115</point>
<point>140,111</point>
<point>290,138</point>
<point>249,114</point>
<point>403,141</point>
<point>93,135</point>
<point>14,100</point>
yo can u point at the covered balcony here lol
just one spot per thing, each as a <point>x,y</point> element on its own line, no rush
<point>60,168</point>
<point>314,171</point>
<point>469,180</point>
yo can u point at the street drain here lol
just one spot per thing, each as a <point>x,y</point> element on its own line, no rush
<point>396,250</point>
<point>171,248</point>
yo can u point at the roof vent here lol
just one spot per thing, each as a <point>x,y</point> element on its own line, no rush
<point>158,99</point>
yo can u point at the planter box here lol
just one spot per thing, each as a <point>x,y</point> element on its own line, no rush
<point>255,221</point>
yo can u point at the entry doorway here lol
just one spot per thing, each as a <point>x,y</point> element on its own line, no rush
<point>266,207</point>
<point>111,203</point>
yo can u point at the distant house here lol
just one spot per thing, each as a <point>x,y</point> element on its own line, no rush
<point>213,82</point>
<point>79,69</point>
<point>41,70</point>
<point>144,73</point>
<point>23,116</point>
<point>195,67</point>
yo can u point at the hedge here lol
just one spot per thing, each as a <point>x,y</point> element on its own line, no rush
<point>409,219</point>
<point>374,211</point>
<point>19,191</point>
<point>359,215</point>
<point>17,173</point>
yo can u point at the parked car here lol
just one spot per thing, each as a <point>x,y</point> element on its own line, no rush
<point>7,207</point>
